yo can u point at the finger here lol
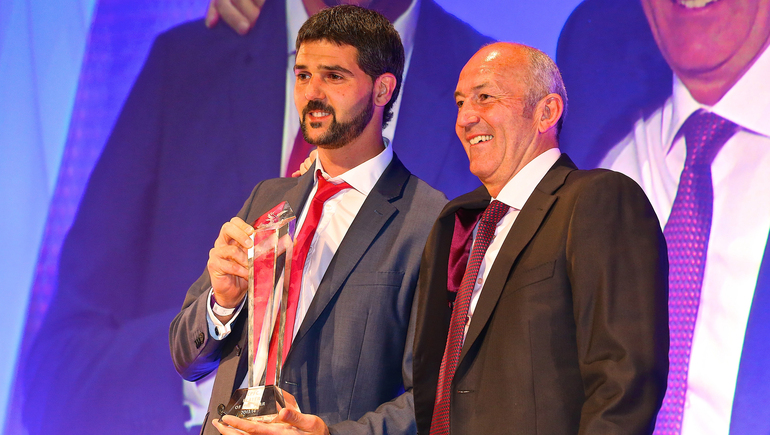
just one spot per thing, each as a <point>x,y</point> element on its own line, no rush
<point>250,9</point>
<point>308,423</point>
<point>291,401</point>
<point>246,426</point>
<point>238,222</point>
<point>212,16</point>
<point>296,173</point>
<point>236,232</point>
<point>228,260</point>
<point>226,430</point>
<point>233,16</point>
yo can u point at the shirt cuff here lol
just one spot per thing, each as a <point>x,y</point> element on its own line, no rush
<point>217,330</point>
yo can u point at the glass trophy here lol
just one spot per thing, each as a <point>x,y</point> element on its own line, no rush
<point>269,270</point>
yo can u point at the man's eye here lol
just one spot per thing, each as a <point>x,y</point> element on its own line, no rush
<point>335,76</point>
<point>483,97</point>
<point>303,76</point>
<point>459,104</point>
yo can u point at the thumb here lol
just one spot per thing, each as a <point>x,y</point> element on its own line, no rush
<point>292,417</point>
<point>304,422</point>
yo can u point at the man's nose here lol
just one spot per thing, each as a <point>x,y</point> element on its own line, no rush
<point>314,89</point>
<point>467,115</point>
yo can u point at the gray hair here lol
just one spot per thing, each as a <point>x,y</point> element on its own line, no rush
<point>544,78</point>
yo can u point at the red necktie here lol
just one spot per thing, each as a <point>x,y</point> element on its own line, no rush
<point>484,235</point>
<point>299,153</point>
<point>301,247</point>
<point>687,234</point>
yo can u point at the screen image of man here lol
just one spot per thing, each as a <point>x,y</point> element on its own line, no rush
<point>701,151</point>
<point>350,358</point>
<point>542,301</point>
<point>209,116</point>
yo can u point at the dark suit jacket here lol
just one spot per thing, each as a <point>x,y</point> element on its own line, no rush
<point>199,129</point>
<point>570,334</point>
<point>352,352</point>
<point>614,74</point>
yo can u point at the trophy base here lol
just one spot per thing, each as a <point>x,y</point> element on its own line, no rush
<point>256,403</point>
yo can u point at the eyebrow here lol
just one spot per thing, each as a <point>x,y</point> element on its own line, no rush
<point>335,68</point>
<point>473,89</point>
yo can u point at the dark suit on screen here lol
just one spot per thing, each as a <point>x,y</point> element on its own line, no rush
<point>570,334</point>
<point>202,125</point>
<point>352,352</point>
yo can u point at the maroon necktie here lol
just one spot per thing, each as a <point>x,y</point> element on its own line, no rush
<point>687,234</point>
<point>299,152</point>
<point>484,235</point>
<point>301,247</point>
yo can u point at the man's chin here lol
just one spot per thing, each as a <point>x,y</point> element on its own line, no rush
<point>330,146</point>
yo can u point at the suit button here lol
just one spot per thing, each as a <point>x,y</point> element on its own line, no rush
<point>199,340</point>
<point>221,409</point>
<point>237,350</point>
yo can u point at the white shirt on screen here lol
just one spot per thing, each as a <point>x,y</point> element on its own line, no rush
<point>653,155</point>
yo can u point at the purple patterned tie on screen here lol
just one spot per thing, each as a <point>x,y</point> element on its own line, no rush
<point>687,234</point>
<point>484,235</point>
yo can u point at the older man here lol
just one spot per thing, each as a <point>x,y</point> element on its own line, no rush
<point>543,300</point>
<point>702,155</point>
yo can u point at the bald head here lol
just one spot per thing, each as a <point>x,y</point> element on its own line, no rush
<point>530,66</point>
<point>507,114</point>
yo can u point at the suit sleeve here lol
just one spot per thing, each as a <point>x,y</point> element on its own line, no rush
<point>618,269</point>
<point>101,346</point>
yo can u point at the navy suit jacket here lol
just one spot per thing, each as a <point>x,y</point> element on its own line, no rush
<point>201,126</point>
<point>615,74</point>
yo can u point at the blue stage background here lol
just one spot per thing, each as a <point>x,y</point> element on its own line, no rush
<point>65,69</point>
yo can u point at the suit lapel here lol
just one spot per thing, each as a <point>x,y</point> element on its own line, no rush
<point>752,391</point>
<point>375,213</point>
<point>297,196</point>
<point>523,230</point>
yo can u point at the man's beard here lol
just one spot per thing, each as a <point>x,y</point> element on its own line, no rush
<point>339,134</point>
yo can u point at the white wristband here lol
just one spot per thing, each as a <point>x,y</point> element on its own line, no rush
<point>220,310</point>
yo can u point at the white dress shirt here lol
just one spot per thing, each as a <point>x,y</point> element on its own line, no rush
<point>514,194</point>
<point>296,15</point>
<point>653,155</point>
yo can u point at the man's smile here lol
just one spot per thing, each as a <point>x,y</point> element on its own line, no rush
<point>480,138</point>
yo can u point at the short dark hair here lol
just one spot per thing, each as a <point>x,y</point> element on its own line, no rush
<point>379,47</point>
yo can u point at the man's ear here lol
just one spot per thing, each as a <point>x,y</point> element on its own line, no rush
<point>548,112</point>
<point>384,86</point>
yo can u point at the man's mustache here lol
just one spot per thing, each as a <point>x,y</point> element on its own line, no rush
<point>315,105</point>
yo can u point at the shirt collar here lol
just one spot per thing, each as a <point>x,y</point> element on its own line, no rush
<point>405,25</point>
<point>740,104</point>
<point>519,188</point>
<point>364,176</point>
